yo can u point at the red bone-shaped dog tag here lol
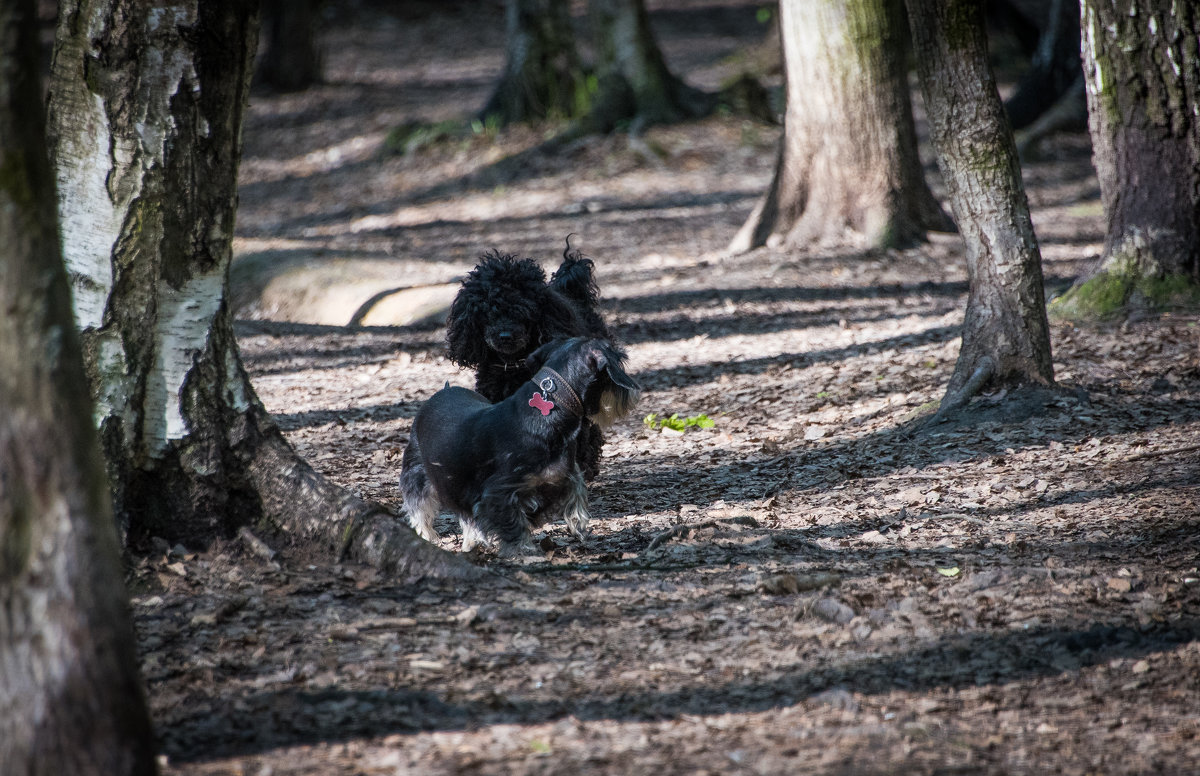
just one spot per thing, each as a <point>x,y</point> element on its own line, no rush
<point>541,403</point>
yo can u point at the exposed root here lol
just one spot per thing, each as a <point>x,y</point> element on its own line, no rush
<point>985,369</point>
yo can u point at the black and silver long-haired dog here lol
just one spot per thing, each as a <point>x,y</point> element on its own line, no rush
<point>506,309</point>
<point>505,468</point>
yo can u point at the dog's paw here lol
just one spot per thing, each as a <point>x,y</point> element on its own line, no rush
<point>523,551</point>
<point>472,537</point>
<point>426,532</point>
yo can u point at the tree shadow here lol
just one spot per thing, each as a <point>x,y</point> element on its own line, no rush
<point>735,476</point>
<point>375,413</point>
<point>256,722</point>
<point>697,374</point>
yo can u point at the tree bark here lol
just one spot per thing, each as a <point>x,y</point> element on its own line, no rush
<point>70,698</point>
<point>1142,69</point>
<point>848,166</point>
<point>1005,340</point>
<point>633,80</point>
<point>543,76</point>
<point>147,112</point>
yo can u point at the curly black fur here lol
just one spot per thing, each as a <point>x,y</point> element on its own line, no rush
<point>506,467</point>
<point>506,309</point>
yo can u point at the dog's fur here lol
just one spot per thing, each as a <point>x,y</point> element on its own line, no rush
<point>506,309</point>
<point>508,467</point>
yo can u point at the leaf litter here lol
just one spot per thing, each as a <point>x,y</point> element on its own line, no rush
<point>810,585</point>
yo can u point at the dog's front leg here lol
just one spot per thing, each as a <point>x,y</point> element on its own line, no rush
<point>575,507</point>
<point>472,536</point>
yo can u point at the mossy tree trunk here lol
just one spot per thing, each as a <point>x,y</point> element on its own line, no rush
<point>1142,67</point>
<point>634,83</point>
<point>146,109</point>
<point>848,167</point>
<point>70,698</point>
<point>1005,340</point>
<point>543,76</point>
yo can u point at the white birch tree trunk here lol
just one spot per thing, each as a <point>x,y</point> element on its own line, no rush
<point>146,112</point>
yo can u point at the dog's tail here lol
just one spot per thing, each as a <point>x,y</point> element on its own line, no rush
<point>574,278</point>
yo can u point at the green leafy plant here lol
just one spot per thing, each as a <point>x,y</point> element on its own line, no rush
<point>676,423</point>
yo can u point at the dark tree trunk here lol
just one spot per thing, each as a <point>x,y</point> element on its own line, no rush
<point>634,82</point>
<point>1054,67</point>
<point>848,165</point>
<point>1005,340</point>
<point>543,77</point>
<point>292,58</point>
<point>147,117</point>
<point>1142,67</point>
<point>70,698</point>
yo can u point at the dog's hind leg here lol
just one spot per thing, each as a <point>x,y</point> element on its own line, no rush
<point>575,507</point>
<point>591,441</point>
<point>500,512</point>
<point>421,504</point>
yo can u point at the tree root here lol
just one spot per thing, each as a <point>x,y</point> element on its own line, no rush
<point>985,369</point>
<point>313,511</point>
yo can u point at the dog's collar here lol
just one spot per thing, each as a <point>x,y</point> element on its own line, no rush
<point>506,366</point>
<point>555,391</point>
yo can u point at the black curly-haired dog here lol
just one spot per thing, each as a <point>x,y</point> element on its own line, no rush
<point>508,467</point>
<point>506,309</point>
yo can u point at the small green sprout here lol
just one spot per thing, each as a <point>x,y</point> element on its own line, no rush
<point>676,423</point>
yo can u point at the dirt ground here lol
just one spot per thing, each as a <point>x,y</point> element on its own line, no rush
<point>813,585</point>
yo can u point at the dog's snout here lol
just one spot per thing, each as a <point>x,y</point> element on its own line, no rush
<point>506,339</point>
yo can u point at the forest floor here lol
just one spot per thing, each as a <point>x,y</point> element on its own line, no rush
<point>836,588</point>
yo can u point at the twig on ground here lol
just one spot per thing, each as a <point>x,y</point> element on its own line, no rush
<point>685,528</point>
<point>1161,453</point>
<point>950,516</point>
<point>255,545</point>
<point>974,520</point>
<point>633,564</point>
<point>913,476</point>
<point>640,562</point>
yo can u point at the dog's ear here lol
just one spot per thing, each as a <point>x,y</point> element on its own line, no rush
<point>575,280</point>
<point>537,359</point>
<point>465,327</point>
<point>621,379</point>
<point>604,356</point>
<point>617,392</point>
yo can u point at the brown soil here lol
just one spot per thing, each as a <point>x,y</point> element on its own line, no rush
<point>817,584</point>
